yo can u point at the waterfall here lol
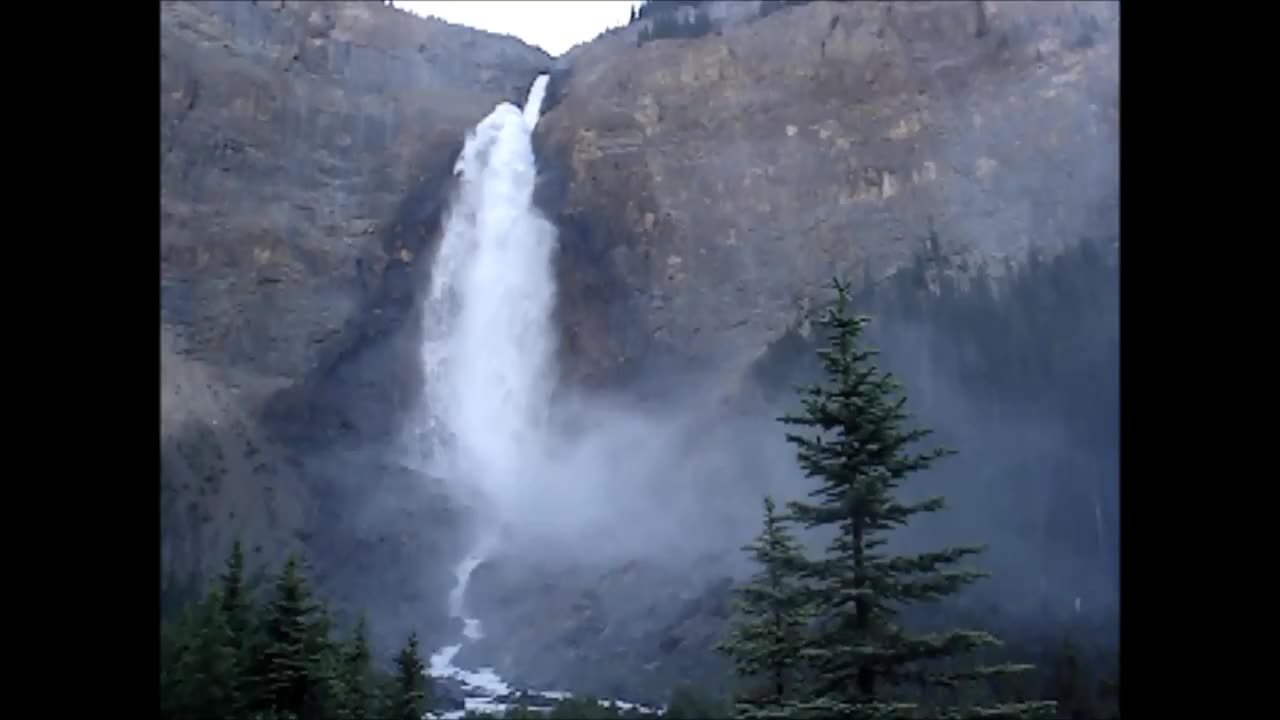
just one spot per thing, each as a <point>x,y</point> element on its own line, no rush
<point>488,340</point>
<point>488,355</point>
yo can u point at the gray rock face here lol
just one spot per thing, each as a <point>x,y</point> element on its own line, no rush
<point>296,138</point>
<point>732,174</point>
<point>306,152</point>
<point>631,632</point>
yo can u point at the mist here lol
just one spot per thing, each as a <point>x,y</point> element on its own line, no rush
<point>1020,374</point>
<point>595,507</point>
<point>555,474</point>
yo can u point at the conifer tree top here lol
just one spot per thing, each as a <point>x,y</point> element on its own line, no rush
<point>855,439</point>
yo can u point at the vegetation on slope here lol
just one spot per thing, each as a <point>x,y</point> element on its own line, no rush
<point>688,18</point>
<point>671,19</point>
<point>230,657</point>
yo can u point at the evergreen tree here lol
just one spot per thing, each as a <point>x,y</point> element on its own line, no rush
<point>203,683</point>
<point>237,612</point>
<point>286,672</point>
<point>328,688</point>
<point>773,608</point>
<point>328,696</point>
<point>858,446</point>
<point>362,688</point>
<point>409,696</point>
<point>174,645</point>
<point>220,650</point>
<point>236,605</point>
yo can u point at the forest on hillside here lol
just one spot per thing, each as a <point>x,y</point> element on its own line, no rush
<point>687,18</point>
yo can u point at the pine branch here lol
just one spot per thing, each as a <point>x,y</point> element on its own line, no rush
<point>929,561</point>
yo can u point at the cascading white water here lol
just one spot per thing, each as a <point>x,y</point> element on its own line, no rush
<point>462,574</point>
<point>533,104</point>
<point>489,343</point>
<point>489,358</point>
<point>488,354</point>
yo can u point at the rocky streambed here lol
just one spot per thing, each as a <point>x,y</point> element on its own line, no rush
<point>459,691</point>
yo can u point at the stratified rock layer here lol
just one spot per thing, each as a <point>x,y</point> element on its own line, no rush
<point>708,187</point>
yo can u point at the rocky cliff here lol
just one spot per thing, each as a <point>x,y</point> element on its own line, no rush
<point>305,153</point>
<point>706,187</point>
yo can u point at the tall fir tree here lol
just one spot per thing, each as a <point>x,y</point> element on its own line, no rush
<point>237,612</point>
<point>236,605</point>
<point>328,686</point>
<point>855,440</point>
<point>773,612</point>
<point>362,688</point>
<point>286,669</point>
<point>409,697</point>
<point>204,681</point>
<point>175,643</point>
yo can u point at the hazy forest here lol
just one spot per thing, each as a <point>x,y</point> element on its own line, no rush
<point>812,636</point>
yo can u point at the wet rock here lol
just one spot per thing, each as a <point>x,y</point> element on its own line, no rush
<point>448,694</point>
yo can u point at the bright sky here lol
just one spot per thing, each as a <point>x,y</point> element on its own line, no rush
<point>553,25</point>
